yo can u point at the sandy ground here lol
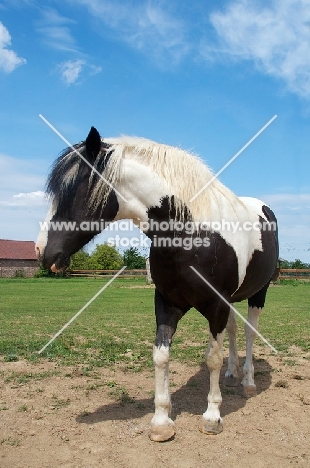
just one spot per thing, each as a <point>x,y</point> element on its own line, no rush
<point>66,417</point>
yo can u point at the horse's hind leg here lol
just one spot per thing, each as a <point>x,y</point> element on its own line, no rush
<point>256,304</point>
<point>232,373</point>
<point>167,317</point>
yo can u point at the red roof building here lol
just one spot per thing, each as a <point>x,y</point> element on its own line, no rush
<point>17,258</point>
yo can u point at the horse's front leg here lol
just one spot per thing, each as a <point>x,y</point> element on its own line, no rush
<point>167,317</point>
<point>162,425</point>
<point>212,422</point>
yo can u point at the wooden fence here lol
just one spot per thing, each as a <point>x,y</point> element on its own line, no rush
<point>108,273</point>
<point>284,273</point>
<point>294,273</point>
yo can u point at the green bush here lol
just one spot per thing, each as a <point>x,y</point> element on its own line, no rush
<point>43,273</point>
<point>80,261</point>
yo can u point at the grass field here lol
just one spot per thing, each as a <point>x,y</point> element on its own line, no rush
<point>119,326</point>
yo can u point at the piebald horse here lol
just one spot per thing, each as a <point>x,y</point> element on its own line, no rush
<point>215,238</point>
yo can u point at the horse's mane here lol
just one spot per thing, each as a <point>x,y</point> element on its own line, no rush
<point>183,172</point>
<point>64,174</point>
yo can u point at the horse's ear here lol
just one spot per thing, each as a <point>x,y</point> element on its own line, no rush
<point>93,144</point>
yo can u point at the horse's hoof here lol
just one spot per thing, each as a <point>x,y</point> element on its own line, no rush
<point>231,381</point>
<point>162,433</point>
<point>211,427</point>
<point>248,390</point>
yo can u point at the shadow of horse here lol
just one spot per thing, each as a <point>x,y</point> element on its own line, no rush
<point>190,397</point>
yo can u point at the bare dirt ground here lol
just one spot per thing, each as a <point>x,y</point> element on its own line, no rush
<point>61,417</point>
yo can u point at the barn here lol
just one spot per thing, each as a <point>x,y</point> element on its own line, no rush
<point>17,258</point>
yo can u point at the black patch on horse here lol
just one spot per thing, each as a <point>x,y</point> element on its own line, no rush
<point>257,269</point>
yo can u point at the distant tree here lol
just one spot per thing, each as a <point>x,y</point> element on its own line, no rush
<point>133,260</point>
<point>80,261</point>
<point>299,264</point>
<point>286,264</point>
<point>294,264</point>
<point>105,257</point>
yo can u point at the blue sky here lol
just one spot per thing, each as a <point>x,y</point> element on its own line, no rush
<point>205,76</point>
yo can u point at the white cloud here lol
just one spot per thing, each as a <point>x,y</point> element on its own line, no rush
<point>71,70</point>
<point>93,70</point>
<point>144,26</point>
<point>55,30</point>
<point>276,37</point>
<point>9,60</point>
<point>56,33</point>
<point>59,37</point>
<point>29,199</point>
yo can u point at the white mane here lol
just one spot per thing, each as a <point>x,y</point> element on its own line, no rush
<point>184,173</point>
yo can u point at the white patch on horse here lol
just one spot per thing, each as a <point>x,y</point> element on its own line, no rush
<point>212,422</point>
<point>162,393</point>
<point>43,233</point>
<point>141,188</point>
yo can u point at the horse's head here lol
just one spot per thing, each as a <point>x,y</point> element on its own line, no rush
<point>72,221</point>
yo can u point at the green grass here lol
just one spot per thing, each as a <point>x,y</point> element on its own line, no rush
<point>10,441</point>
<point>119,326</point>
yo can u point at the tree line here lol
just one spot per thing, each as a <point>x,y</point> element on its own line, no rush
<point>106,257</point>
<point>294,264</point>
